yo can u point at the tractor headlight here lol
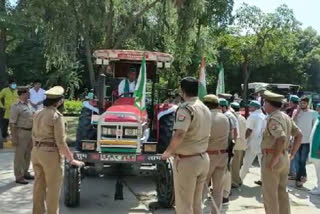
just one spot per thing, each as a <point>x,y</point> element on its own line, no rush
<point>130,132</point>
<point>109,131</point>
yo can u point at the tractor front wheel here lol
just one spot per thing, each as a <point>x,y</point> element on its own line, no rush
<point>165,187</point>
<point>72,183</point>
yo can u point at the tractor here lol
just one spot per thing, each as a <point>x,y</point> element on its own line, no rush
<point>113,133</point>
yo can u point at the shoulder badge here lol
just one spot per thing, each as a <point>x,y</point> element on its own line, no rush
<point>274,127</point>
<point>181,117</point>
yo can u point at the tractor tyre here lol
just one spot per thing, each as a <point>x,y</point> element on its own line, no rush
<point>165,185</point>
<point>85,130</point>
<point>165,128</point>
<point>72,183</point>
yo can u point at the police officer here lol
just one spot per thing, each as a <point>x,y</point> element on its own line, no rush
<point>188,146</point>
<point>217,150</point>
<point>234,135</point>
<point>20,126</point>
<point>239,147</point>
<point>275,161</point>
<point>49,143</point>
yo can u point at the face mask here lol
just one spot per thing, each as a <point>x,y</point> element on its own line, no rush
<point>13,86</point>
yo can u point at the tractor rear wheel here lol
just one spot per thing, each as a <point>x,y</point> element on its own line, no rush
<point>165,128</point>
<point>165,186</point>
<point>72,183</point>
<point>85,130</point>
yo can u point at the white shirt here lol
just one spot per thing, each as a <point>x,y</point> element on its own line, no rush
<point>305,121</point>
<point>257,123</point>
<point>234,122</point>
<point>132,86</point>
<point>36,97</point>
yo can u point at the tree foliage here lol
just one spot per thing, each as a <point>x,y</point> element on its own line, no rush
<point>54,40</point>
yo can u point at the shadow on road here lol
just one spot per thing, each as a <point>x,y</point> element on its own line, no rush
<point>7,187</point>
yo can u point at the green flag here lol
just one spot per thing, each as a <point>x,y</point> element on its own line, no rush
<point>140,91</point>
<point>220,85</point>
<point>202,91</point>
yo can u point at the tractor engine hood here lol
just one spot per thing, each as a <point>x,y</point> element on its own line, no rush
<point>124,110</point>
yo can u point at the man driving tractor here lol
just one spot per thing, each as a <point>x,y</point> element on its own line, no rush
<point>127,86</point>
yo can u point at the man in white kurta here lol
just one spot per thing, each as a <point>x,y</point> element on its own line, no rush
<point>37,96</point>
<point>256,124</point>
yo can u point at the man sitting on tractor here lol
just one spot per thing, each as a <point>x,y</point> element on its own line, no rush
<point>128,85</point>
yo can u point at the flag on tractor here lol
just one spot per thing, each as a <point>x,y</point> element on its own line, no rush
<point>140,91</point>
<point>220,84</point>
<point>202,90</point>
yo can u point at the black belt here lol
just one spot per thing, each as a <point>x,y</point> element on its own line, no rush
<point>47,144</point>
<point>27,129</point>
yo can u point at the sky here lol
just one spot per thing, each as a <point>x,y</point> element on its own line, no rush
<point>306,11</point>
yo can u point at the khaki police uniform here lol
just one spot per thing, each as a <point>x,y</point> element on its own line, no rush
<point>191,162</point>
<point>21,118</point>
<point>217,150</point>
<point>274,181</point>
<point>239,150</point>
<point>48,136</point>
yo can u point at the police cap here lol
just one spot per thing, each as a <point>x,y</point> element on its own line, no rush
<point>55,92</point>
<point>211,98</point>
<point>23,88</point>
<point>270,96</point>
<point>225,96</point>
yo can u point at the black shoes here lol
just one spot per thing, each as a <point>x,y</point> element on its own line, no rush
<point>29,177</point>
<point>22,181</point>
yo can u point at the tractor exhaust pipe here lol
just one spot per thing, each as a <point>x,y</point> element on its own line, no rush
<point>101,93</point>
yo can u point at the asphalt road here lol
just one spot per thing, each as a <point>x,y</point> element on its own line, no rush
<point>97,195</point>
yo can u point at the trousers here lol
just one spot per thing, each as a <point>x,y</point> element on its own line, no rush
<point>248,160</point>
<point>236,165</point>
<point>22,153</point>
<point>190,176</point>
<point>218,166</point>
<point>301,161</point>
<point>48,167</point>
<point>274,185</point>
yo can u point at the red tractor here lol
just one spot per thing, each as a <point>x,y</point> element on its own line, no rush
<point>114,133</point>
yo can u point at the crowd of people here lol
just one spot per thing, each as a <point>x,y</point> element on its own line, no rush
<point>214,146</point>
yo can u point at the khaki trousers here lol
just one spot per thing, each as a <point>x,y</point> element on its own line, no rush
<point>190,175</point>
<point>22,154</point>
<point>274,185</point>
<point>218,166</point>
<point>48,167</point>
<point>227,184</point>
<point>236,165</point>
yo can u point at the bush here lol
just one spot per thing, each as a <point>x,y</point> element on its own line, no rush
<point>72,107</point>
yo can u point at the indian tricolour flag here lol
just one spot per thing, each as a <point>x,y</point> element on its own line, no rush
<point>140,91</point>
<point>220,85</point>
<point>202,91</point>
